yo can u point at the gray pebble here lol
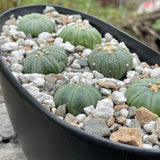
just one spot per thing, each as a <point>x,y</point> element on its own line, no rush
<point>108,37</point>
<point>97,127</point>
<point>9,46</point>
<point>89,110</point>
<point>131,112</point>
<point>114,127</point>
<point>69,47</point>
<point>80,118</point>
<point>97,75</point>
<point>149,127</point>
<point>61,111</point>
<point>49,9</point>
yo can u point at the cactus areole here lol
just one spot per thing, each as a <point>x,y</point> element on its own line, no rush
<point>112,60</point>
<point>35,24</point>
<point>76,97</point>
<point>45,60</point>
<point>145,93</point>
<point>81,34</point>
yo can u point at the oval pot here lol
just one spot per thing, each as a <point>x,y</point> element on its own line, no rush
<point>42,135</point>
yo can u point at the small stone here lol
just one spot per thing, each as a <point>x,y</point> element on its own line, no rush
<point>121,120</point>
<point>61,111</point>
<point>41,96</point>
<point>53,110</point>
<point>107,102</point>
<point>31,89</point>
<point>79,48</point>
<point>123,112</point>
<point>118,97</point>
<point>49,9</point>
<point>75,64</point>
<point>42,37</point>
<point>17,67</point>
<point>89,110</point>
<point>69,47</point>
<point>81,125</point>
<point>97,75</point>
<point>49,78</point>
<point>37,79</point>
<point>156,129</point>
<point>155,73</point>
<point>128,123</point>
<point>150,126</point>
<point>70,60</point>
<point>108,37</point>
<point>114,127</point>
<point>131,136</point>
<point>103,111</point>
<point>83,61</point>
<point>105,91</point>
<point>131,112</point>
<point>97,127</point>
<point>29,42</point>
<point>9,46</point>
<point>152,138</point>
<point>110,121</point>
<point>147,146</point>
<point>71,119</point>
<point>145,116</point>
<point>80,118</point>
<point>49,102</point>
<point>119,107</point>
<point>107,84</point>
<point>75,78</point>
<point>58,41</point>
<point>86,52</point>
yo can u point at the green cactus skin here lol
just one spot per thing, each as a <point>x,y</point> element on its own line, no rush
<point>76,97</point>
<point>112,61</point>
<point>145,93</point>
<point>45,60</point>
<point>81,34</point>
<point>35,24</point>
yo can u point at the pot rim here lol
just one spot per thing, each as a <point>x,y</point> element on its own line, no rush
<point>73,130</point>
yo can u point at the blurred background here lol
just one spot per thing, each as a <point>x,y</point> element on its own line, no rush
<point>139,18</point>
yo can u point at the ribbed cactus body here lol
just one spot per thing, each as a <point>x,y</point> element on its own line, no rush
<point>35,24</point>
<point>76,97</point>
<point>145,93</point>
<point>45,60</point>
<point>112,60</point>
<point>81,34</point>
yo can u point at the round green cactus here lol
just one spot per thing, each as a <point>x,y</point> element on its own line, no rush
<point>112,60</point>
<point>45,60</point>
<point>76,97</point>
<point>35,24</point>
<point>145,93</point>
<point>81,34</point>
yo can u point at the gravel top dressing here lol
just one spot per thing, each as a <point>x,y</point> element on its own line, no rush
<point>92,82</point>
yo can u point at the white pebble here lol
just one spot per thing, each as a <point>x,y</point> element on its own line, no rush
<point>97,75</point>
<point>124,112</point>
<point>103,111</point>
<point>40,97</point>
<point>80,117</point>
<point>58,41</point>
<point>31,89</point>
<point>89,110</point>
<point>118,97</point>
<point>150,126</point>
<point>49,102</point>
<point>87,75</point>
<point>155,73</point>
<point>69,47</point>
<point>147,146</point>
<point>105,91</point>
<point>75,64</point>
<point>74,79</point>
<point>107,102</point>
<point>42,37</point>
<point>86,52</point>
<point>9,46</point>
<point>108,37</point>
<point>17,67</point>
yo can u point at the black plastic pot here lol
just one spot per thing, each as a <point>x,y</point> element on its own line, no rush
<point>42,135</point>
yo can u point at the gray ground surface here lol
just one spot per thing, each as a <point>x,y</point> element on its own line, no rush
<point>9,147</point>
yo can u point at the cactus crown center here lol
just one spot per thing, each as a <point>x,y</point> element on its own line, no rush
<point>42,52</point>
<point>154,87</point>
<point>82,25</point>
<point>108,47</point>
